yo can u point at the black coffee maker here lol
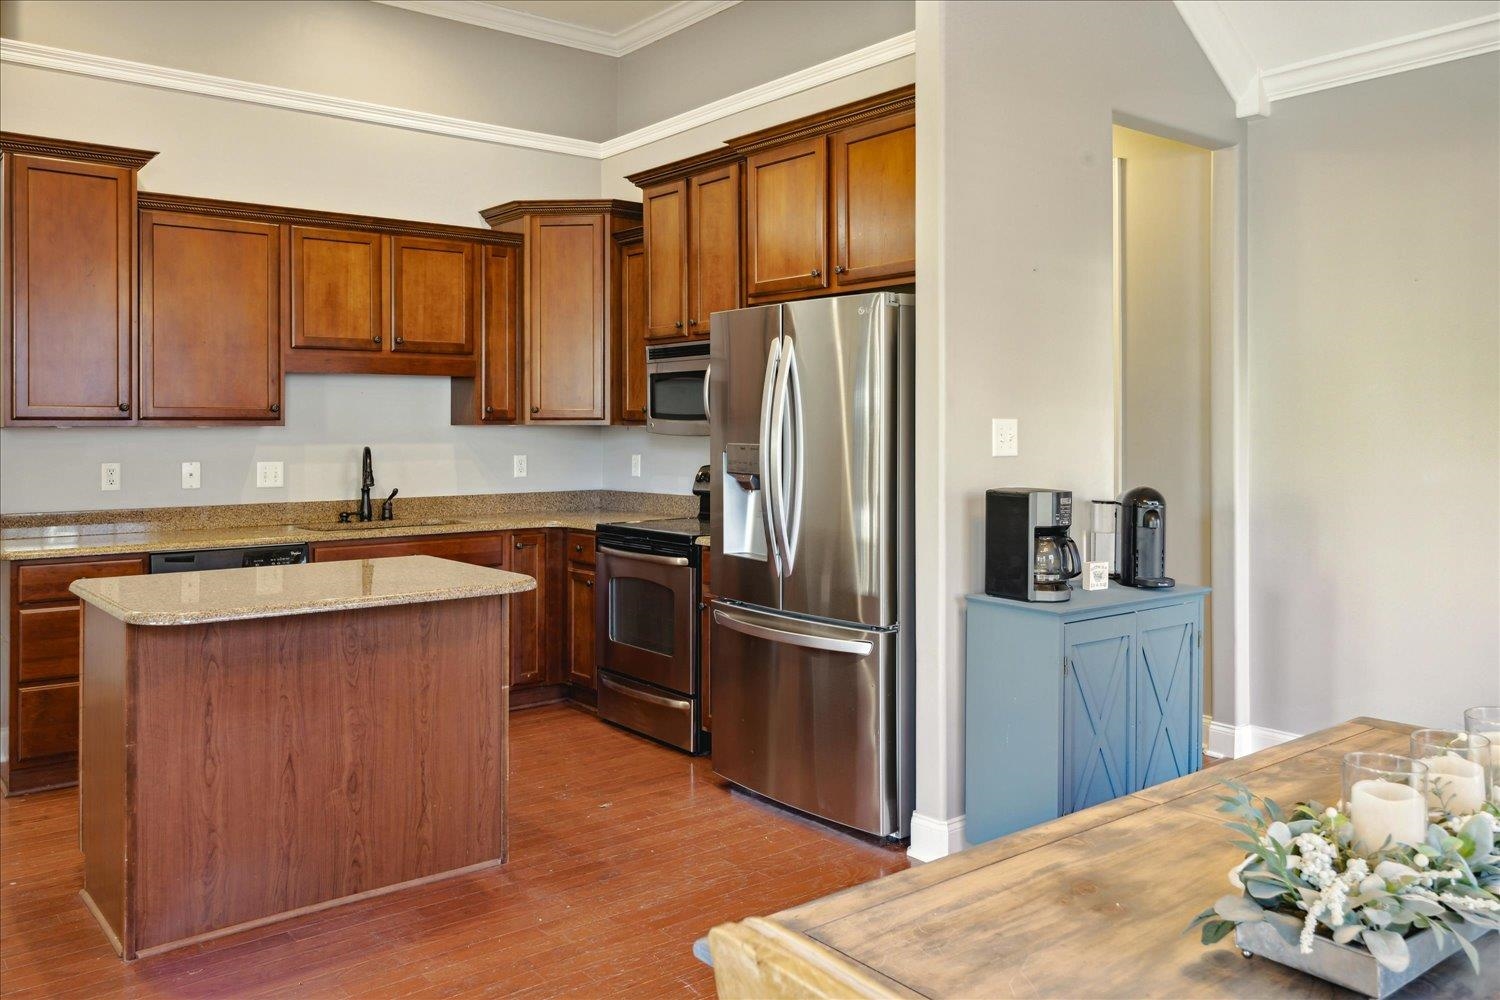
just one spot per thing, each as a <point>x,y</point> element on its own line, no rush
<point>1141,546</point>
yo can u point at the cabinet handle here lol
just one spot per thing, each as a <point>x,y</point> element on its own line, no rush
<point>578,548</point>
<point>588,583</point>
<point>838,269</point>
<point>400,339</point>
<point>816,273</point>
<point>536,409</point>
<point>692,322</point>
<point>275,407</point>
<point>489,409</point>
<point>678,324</point>
<point>376,338</point>
<point>124,407</point>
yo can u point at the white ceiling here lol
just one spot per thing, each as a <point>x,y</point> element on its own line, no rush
<point>1266,50</point>
<point>609,27</point>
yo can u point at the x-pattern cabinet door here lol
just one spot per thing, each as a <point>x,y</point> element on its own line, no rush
<point>1097,675</point>
<point>1166,695</point>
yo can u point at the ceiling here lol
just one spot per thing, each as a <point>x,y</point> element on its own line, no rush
<point>1269,50</point>
<point>609,27</point>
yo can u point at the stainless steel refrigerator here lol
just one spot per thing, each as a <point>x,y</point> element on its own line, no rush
<point>810,451</point>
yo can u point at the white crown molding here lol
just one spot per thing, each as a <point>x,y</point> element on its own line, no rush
<point>184,81</point>
<point>546,29</point>
<point>793,83</point>
<point>1397,55</point>
<point>1227,53</point>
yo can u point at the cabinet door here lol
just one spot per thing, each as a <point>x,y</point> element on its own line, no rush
<point>565,324</point>
<point>1097,672</point>
<point>528,555</point>
<point>630,349</point>
<point>46,720</point>
<point>47,643</point>
<point>71,243</point>
<point>210,318</point>
<point>501,306</point>
<point>713,245</point>
<point>665,216</point>
<point>581,626</point>
<point>875,201</point>
<point>432,296</point>
<point>786,218</point>
<point>340,290</point>
<point>1168,712</point>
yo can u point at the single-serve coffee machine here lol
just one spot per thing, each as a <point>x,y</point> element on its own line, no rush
<point>1028,555</point>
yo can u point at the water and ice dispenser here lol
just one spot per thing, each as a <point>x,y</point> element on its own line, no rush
<point>744,519</point>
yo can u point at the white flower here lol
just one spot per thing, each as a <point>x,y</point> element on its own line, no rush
<point>1420,860</point>
<point>1330,812</point>
<point>1310,928</point>
<point>1469,903</point>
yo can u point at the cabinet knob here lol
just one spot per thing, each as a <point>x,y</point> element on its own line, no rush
<point>588,583</point>
<point>275,407</point>
<point>816,273</point>
<point>519,545</point>
<point>124,407</point>
<point>489,409</point>
<point>838,269</point>
<point>578,548</point>
<point>678,324</point>
<point>536,409</point>
<point>400,340</point>
<point>376,338</point>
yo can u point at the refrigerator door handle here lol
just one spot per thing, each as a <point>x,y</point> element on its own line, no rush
<point>778,457</point>
<point>791,516</point>
<point>770,454</point>
<point>730,620</point>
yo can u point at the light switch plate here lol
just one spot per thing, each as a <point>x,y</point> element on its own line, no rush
<point>269,475</point>
<point>1005,437</point>
<point>635,466</point>
<point>109,476</point>
<point>192,475</point>
<point>518,466</point>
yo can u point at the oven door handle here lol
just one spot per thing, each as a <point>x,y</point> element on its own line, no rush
<point>636,692</point>
<point>730,620</point>
<point>647,557</point>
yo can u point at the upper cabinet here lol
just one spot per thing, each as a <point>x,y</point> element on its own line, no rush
<point>630,328</point>
<point>210,319</point>
<point>490,398</point>
<point>830,200</point>
<point>432,295</point>
<point>569,264</point>
<point>69,280</point>
<point>339,289</point>
<point>692,243</point>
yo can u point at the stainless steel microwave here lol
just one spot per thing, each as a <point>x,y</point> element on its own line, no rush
<point>677,389</point>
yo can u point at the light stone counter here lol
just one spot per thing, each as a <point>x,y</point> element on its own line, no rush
<point>308,588</point>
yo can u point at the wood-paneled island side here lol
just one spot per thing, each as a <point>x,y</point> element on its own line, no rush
<point>258,743</point>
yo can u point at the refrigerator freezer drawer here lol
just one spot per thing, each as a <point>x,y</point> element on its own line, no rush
<point>658,714</point>
<point>806,714</point>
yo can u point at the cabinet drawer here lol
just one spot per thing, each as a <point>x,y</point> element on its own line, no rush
<point>47,643</point>
<point>46,581</point>
<point>581,547</point>
<point>481,550</point>
<point>47,720</point>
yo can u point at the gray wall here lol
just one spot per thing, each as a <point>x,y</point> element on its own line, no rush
<point>1374,319</point>
<point>1015,306</point>
<point>749,44</point>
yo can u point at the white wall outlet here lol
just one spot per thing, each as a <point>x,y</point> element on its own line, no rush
<point>1005,437</point>
<point>518,466</point>
<point>192,475</point>
<point>109,476</point>
<point>635,466</point>
<point>269,475</point>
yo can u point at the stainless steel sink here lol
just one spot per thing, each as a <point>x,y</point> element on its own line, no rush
<point>372,525</point>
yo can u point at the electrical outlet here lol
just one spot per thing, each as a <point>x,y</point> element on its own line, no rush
<point>1005,437</point>
<point>192,475</point>
<point>518,466</point>
<point>269,475</point>
<point>109,476</point>
<point>635,466</point>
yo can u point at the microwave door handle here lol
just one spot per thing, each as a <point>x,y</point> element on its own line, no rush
<point>708,372</point>
<point>768,479</point>
<point>791,517</point>
<point>778,458</point>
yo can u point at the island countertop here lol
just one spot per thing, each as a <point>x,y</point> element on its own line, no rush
<point>307,588</point>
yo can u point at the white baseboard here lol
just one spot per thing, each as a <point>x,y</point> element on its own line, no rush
<point>935,838</point>
<point>1225,740</point>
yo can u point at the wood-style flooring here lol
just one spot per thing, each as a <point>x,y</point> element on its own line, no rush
<point>622,854</point>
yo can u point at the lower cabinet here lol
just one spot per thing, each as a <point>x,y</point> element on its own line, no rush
<point>581,596</point>
<point>1070,705</point>
<point>41,666</point>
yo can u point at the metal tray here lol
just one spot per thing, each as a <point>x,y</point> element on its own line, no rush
<point>1352,966</point>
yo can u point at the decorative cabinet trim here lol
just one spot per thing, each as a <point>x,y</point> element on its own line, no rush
<point>626,237</point>
<point>514,211</point>
<point>684,167</point>
<point>825,122</point>
<point>68,149</point>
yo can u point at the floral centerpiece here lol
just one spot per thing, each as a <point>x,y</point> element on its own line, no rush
<point>1303,875</point>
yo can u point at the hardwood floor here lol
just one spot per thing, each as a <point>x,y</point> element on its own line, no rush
<point>622,854</point>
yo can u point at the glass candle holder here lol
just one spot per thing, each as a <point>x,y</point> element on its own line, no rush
<point>1485,720</point>
<point>1458,769</point>
<point>1385,796</point>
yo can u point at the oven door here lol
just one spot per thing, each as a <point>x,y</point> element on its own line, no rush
<point>677,397</point>
<point>647,618</point>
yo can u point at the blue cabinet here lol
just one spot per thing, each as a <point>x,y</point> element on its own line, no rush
<point>1069,705</point>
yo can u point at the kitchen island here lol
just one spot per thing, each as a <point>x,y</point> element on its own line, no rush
<point>259,743</point>
<point>1093,904</point>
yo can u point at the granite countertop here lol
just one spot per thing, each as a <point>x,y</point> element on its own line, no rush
<point>274,591</point>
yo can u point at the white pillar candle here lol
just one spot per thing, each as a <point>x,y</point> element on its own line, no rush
<point>1454,783</point>
<point>1494,737</point>
<point>1381,809</point>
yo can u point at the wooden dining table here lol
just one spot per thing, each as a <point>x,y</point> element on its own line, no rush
<point>1093,904</point>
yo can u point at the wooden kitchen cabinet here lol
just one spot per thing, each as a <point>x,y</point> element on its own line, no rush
<point>528,633</point>
<point>665,215</point>
<point>875,200</point>
<point>69,280</point>
<point>40,664</point>
<point>630,328</point>
<point>713,278</point>
<point>581,598</point>
<point>786,208</point>
<point>490,398</point>
<point>210,319</point>
<point>339,290</point>
<point>432,296</point>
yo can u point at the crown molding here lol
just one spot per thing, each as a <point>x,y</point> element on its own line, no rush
<point>69,149</point>
<point>510,211</point>
<point>184,81</point>
<point>837,68</point>
<point>1397,55</point>
<point>156,201</point>
<point>546,29</point>
<point>1227,53</point>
